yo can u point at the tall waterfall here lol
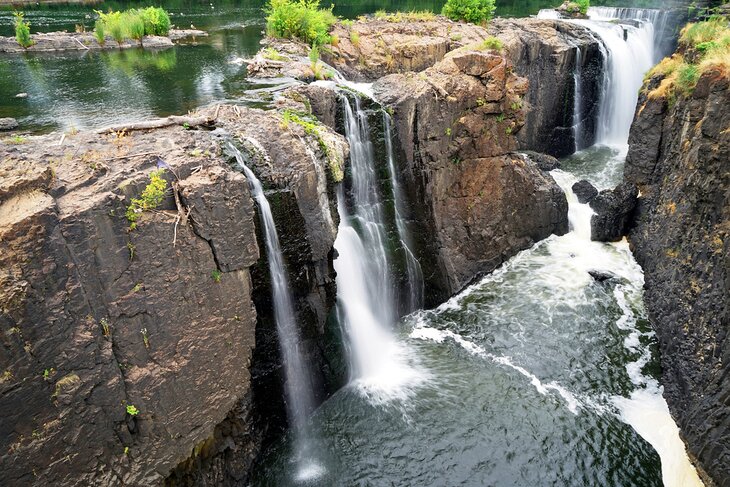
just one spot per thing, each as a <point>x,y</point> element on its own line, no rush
<point>657,18</point>
<point>299,393</point>
<point>380,364</point>
<point>413,268</point>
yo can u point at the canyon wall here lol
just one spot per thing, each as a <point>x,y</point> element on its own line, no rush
<point>679,158</point>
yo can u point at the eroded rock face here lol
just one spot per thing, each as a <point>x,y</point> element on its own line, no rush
<point>613,209</point>
<point>679,157</point>
<point>457,123</point>
<point>548,53</point>
<point>97,316</point>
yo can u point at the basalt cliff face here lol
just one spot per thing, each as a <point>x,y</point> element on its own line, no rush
<point>97,316</point>
<point>679,158</point>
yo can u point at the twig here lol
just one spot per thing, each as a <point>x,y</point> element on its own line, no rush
<point>191,121</point>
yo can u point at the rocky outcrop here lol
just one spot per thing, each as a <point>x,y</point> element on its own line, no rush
<point>8,123</point>
<point>457,123</point>
<point>678,157</point>
<point>613,209</point>
<point>129,354</point>
<point>549,53</point>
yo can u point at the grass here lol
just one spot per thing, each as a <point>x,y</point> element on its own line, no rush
<point>313,127</point>
<point>131,24</point>
<point>493,44</point>
<point>473,11</point>
<point>216,275</point>
<point>299,19</point>
<point>355,38</point>
<point>411,16</point>
<point>703,47</point>
<point>273,55</point>
<point>152,196</point>
<point>22,30</point>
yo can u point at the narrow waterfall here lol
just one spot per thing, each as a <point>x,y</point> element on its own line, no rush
<point>299,394</point>
<point>577,100</point>
<point>413,268</point>
<point>381,367</point>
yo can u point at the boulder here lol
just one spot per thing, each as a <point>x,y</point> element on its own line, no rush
<point>585,191</point>
<point>544,162</point>
<point>613,209</point>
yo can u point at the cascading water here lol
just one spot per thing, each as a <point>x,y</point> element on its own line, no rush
<point>577,100</point>
<point>413,267</point>
<point>657,18</point>
<point>299,389</point>
<point>365,295</point>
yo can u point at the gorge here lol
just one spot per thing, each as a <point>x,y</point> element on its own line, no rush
<point>384,278</point>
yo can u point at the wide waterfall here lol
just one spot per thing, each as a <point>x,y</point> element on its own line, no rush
<point>365,290</point>
<point>299,390</point>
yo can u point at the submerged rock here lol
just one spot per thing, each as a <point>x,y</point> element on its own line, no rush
<point>82,41</point>
<point>602,276</point>
<point>8,123</point>
<point>678,156</point>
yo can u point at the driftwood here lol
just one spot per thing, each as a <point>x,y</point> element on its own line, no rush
<point>190,121</point>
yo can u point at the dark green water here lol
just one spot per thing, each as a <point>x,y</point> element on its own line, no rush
<point>88,89</point>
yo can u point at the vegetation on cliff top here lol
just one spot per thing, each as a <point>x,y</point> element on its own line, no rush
<point>152,196</point>
<point>474,11</point>
<point>703,46</point>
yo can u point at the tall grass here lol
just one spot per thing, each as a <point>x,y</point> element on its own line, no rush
<point>132,24</point>
<point>299,19</point>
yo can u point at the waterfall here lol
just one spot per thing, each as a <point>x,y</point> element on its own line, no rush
<point>413,268</point>
<point>655,17</point>
<point>381,367</point>
<point>577,99</point>
<point>628,53</point>
<point>299,394</point>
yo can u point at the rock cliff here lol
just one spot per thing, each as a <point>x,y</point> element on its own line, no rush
<point>456,123</point>
<point>678,156</point>
<point>128,347</point>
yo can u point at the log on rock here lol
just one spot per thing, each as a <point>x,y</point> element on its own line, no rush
<point>160,123</point>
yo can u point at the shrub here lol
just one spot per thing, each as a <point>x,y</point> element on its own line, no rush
<point>299,19</point>
<point>583,5</point>
<point>22,30</point>
<point>687,76</point>
<point>156,21</point>
<point>134,25</point>
<point>702,32</point>
<point>152,196</point>
<point>474,11</point>
<point>492,43</point>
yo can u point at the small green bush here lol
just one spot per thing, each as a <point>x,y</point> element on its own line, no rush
<point>492,43</point>
<point>474,11</point>
<point>99,32</point>
<point>583,5</point>
<point>134,25</point>
<point>299,19</point>
<point>152,196</point>
<point>22,30</point>
<point>156,21</point>
<point>687,76</point>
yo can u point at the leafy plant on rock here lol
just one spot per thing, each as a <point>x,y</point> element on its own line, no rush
<point>22,30</point>
<point>473,11</point>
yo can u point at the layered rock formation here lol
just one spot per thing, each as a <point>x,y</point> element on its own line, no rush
<point>456,123</point>
<point>679,157</point>
<point>127,353</point>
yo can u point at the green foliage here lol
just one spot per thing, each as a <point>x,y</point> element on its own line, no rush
<point>299,19</point>
<point>493,44</point>
<point>354,38</point>
<point>152,196</point>
<point>216,275</point>
<point>314,54</point>
<point>474,11</point>
<point>156,21</point>
<point>273,54</point>
<point>99,32</point>
<point>22,30</point>
<point>703,32</point>
<point>687,76</point>
<point>313,127</point>
<point>583,5</point>
<point>132,410</point>
<point>134,25</point>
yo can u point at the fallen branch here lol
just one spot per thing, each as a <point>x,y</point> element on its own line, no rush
<point>181,214</point>
<point>189,121</point>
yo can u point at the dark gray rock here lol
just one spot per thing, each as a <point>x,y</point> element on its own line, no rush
<point>601,276</point>
<point>8,124</point>
<point>585,191</point>
<point>681,237</point>
<point>544,162</point>
<point>613,209</point>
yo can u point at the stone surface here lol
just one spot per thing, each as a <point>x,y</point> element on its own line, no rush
<point>585,191</point>
<point>82,41</point>
<point>678,157</point>
<point>544,162</point>
<point>482,204</point>
<point>96,316</point>
<point>8,123</point>
<point>547,53</point>
<point>613,211</point>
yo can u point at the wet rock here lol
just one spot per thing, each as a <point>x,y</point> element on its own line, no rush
<point>601,276</point>
<point>82,41</point>
<point>548,53</point>
<point>613,209</point>
<point>678,157</point>
<point>585,191</point>
<point>571,10</point>
<point>8,124</point>
<point>456,123</point>
<point>544,162</point>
